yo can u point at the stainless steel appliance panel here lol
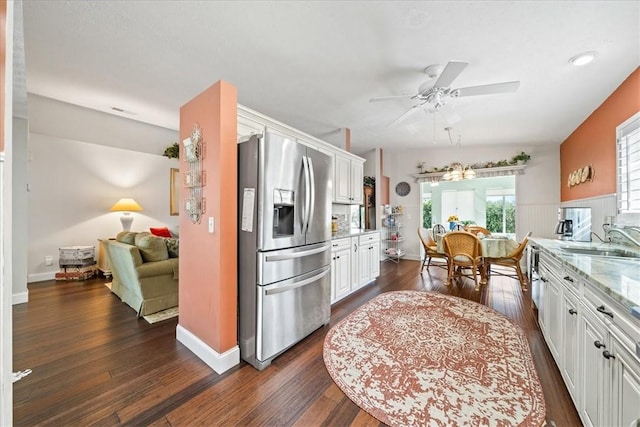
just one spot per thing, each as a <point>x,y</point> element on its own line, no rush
<point>320,173</point>
<point>290,310</point>
<point>282,172</point>
<point>274,266</point>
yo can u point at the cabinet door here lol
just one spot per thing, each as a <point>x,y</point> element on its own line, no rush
<point>357,176</point>
<point>591,389</point>
<point>355,263</point>
<point>569,349</point>
<point>343,272</point>
<point>542,308</point>
<point>625,402</point>
<point>342,179</point>
<point>374,260</point>
<point>553,302</point>
<point>363,258</point>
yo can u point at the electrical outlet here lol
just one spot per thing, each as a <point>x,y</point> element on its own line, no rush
<point>48,260</point>
<point>211,225</point>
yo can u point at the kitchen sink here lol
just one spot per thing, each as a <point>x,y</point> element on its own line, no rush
<point>618,253</point>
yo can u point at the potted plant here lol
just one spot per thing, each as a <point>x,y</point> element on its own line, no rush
<point>521,158</point>
<point>172,151</point>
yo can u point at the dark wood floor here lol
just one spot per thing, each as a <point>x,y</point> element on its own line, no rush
<point>95,363</point>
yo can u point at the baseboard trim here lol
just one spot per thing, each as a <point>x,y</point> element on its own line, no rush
<point>218,362</point>
<point>41,277</point>
<point>20,298</point>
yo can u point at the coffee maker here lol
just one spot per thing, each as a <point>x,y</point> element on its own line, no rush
<point>574,224</point>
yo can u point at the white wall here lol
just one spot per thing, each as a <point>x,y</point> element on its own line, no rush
<point>19,207</point>
<point>537,190</point>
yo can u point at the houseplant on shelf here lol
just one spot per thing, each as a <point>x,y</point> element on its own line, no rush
<point>520,159</point>
<point>172,151</point>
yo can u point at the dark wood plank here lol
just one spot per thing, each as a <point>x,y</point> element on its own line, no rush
<point>95,363</point>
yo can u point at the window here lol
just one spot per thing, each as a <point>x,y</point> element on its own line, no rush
<point>501,211</point>
<point>427,216</point>
<point>628,167</point>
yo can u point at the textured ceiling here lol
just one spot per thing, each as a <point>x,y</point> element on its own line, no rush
<point>315,65</point>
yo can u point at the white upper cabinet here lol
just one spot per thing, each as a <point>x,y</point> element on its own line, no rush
<point>347,180</point>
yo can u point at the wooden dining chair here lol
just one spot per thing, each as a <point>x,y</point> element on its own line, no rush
<point>511,261</point>
<point>464,253</point>
<point>430,250</point>
<point>475,229</point>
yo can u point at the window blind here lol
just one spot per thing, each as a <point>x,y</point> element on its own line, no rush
<point>628,166</point>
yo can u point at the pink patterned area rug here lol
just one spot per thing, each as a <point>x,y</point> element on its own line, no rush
<point>420,358</point>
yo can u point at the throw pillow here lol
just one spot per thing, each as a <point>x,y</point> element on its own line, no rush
<point>172,247</point>
<point>128,237</point>
<point>152,248</point>
<point>160,231</point>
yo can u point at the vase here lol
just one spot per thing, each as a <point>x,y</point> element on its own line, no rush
<point>452,224</point>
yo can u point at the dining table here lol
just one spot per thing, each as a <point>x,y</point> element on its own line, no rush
<point>493,246</point>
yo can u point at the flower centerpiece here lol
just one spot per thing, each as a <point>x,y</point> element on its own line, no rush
<point>452,221</point>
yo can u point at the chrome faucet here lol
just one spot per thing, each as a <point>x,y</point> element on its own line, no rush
<point>624,234</point>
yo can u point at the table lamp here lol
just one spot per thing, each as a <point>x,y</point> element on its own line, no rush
<point>126,206</point>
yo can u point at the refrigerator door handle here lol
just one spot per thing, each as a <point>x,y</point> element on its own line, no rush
<point>307,194</point>
<point>312,197</point>
<point>278,288</point>
<point>285,257</point>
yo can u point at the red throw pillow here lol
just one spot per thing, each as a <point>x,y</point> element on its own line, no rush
<point>160,231</point>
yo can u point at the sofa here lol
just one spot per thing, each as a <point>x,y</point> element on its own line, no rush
<point>145,270</point>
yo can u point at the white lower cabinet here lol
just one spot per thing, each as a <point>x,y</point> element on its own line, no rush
<point>569,349</point>
<point>591,389</point>
<point>593,340</point>
<point>625,384</point>
<point>351,259</point>
<point>340,268</point>
<point>369,258</point>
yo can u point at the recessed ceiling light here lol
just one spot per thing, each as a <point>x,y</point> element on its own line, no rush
<point>583,58</point>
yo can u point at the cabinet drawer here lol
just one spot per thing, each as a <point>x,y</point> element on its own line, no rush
<point>614,315</point>
<point>571,281</point>
<point>369,238</point>
<point>340,244</point>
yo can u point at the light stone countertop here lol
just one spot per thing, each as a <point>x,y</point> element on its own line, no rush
<point>617,277</point>
<point>352,232</point>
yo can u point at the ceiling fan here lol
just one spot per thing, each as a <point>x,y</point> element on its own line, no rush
<point>432,98</point>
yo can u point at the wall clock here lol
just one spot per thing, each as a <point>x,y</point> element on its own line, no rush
<point>403,188</point>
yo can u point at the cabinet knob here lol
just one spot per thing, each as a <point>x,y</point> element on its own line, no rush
<point>572,311</point>
<point>608,355</point>
<point>568,279</point>
<point>598,344</point>
<point>602,310</point>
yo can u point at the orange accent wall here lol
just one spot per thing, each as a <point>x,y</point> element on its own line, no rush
<point>208,262</point>
<point>594,143</point>
<point>3,50</point>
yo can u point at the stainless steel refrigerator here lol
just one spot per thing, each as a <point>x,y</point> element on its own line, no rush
<point>284,247</point>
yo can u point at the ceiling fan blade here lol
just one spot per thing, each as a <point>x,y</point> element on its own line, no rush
<point>387,98</point>
<point>489,89</point>
<point>404,115</point>
<point>450,72</point>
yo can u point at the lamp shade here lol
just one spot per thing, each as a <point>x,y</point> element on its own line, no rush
<point>128,205</point>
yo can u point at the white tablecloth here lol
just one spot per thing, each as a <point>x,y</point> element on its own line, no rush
<point>492,247</point>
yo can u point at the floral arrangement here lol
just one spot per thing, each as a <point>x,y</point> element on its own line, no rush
<point>453,218</point>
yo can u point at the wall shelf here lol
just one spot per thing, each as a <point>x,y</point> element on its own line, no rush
<point>480,173</point>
